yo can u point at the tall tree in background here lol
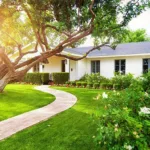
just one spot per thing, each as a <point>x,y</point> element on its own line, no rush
<point>63,22</point>
<point>129,36</point>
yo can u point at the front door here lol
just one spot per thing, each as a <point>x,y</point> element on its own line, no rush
<point>63,66</point>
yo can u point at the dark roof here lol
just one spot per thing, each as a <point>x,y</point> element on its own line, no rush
<point>121,49</point>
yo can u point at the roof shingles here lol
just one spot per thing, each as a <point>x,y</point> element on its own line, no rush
<point>121,49</point>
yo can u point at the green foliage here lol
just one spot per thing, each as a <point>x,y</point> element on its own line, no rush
<point>89,85</point>
<point>103,85</point>
<point>78,84</point>
<point>96,85</point>
<point>72,83</point>
<point>129,36</point>
<point>117,86</point>
<point>60,77</point>
<point>36,78</point>
<point>95,78</point>
<point>45,78</point>
<point>68,82</point>
<point>124,125</point>
<point>109,86</point>
<point>123,80</point>
<point>83,84</point>
<point>145,79</point>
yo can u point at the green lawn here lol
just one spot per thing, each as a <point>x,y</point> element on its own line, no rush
<point>18,99</point>
<point>72,129</point>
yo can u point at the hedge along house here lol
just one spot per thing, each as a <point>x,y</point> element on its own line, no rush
<point>131,58</point>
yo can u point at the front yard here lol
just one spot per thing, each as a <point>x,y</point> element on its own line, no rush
<point>101,119</point>
<point>71,130</point>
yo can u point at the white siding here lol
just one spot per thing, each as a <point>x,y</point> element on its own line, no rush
<point>73,70</point>
<point>54,65</point>
<point>134,65</point>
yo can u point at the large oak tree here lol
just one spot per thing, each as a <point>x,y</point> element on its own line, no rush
<point>55,25</point>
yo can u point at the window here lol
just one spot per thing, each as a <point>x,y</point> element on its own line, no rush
<point>36,68</point>
<point>95,66</point>
<point>63,66</point>
<point>120,66</point>
<point>146,65</point>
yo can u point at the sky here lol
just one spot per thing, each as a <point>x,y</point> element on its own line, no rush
<point>140,22</point>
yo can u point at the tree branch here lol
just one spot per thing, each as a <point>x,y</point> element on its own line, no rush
<point>89,51</point>
<point>6,60</point>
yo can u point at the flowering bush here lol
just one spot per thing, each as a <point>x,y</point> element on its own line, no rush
<point>125,124</point>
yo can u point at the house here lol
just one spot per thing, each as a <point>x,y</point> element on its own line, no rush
<point>126,58</point>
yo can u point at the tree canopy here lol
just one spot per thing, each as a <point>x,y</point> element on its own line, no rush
<point>139,35</point>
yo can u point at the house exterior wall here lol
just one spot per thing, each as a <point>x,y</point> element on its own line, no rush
<point>54,65</point>
<point>134,65</point>
<point>73,70</point>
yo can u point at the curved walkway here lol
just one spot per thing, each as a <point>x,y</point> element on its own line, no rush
<point>15,124</point>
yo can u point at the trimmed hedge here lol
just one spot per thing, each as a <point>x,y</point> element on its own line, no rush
<point>36,78</point>
<point>89,85</point>
<point>96,85</point>
<point>60,77</point>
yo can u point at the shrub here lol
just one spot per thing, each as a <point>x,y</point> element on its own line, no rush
<point>83,84</point>
<point>78,84</point>
<point>68,83</point>
<point>124,123</point>
<point>123,80</point>
<point>36,78</point>
<point>117,86</point>
<point>95,78</point>
<point>72,83</point>
<point>89,85</point>
<point>45,78</point>
<point>109,86</point>
<point>103,85</point>
<point>96,85</point>
<point>60,77</point>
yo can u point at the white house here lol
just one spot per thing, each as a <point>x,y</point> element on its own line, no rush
<point>127,58</point>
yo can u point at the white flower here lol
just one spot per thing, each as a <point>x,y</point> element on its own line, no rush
<point>145,110</point>
<point>146,94</point>
<point>116,125</point>
<point>128,147</point>
<point>104,95</point>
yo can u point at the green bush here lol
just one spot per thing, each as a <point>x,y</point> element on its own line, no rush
<point>67,82</point>
<point>109,86</point>
<point>123,80</point>
<point>36,78</point>
<point>72,83</point>
<point>78,84</point>
<point>95,78</point>
<point>83,84</point>
<point>117,86</point>
<point>96,85</point>
<point>60,77</point>
<point>45,78</point>
<point>124,124</point>
<point>89,85</point>
<point>103,85</point>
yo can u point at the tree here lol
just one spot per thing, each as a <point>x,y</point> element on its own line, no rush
<point>66,21</point>
<point>134,36</point>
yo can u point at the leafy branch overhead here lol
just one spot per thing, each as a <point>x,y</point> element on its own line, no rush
<point>54,25</point>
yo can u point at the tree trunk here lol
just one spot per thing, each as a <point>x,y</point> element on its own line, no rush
<point>4,82</point>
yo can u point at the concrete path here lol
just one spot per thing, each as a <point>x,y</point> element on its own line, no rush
<point>13,125</point>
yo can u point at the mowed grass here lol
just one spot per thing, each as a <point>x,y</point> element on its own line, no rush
<point>72,129</point>
<point>18,99</point>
